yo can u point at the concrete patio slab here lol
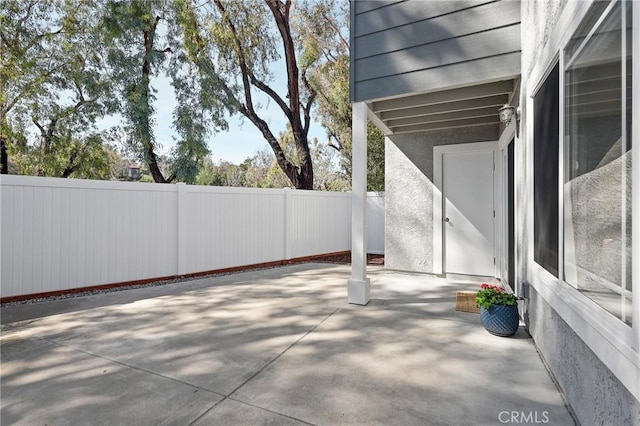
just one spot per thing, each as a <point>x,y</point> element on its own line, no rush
<point>357,369</point>
<point>275,346</point>
<point>47,383</point>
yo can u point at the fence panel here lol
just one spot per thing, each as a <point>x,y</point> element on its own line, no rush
<point>227,227</point>
<point>60,234</point>
<point>320,222</point>
<point>375,222</point>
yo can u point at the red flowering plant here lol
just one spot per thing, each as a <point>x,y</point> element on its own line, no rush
<point>494,295</point>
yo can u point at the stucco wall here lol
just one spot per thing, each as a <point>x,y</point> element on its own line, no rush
<point>596,396</point>
<point>409,193</point>
<point>593,392</point>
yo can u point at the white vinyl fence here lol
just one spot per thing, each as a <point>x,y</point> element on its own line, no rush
<point>60,234</point>
<point>375,222</point>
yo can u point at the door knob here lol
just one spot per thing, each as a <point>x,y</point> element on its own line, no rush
<point>446,219</point>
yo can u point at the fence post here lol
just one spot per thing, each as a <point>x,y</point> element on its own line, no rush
<point>288,217</point>
<point>181,231</point>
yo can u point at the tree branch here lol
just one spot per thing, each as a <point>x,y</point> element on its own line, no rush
<point>333,135</point>
<point>330,145</point>
<point>38,38</point>
<point>309,104</point>
<point>241,58</point>
<point>79,89</point>
<point>282,19</point>
<point>39,126</point>
<point>27,87</point>
<point>202,61</point>
<point>25,17</point>
<point>286,166</point>
<point>4,39</point>
<point>328,21</point>
<point>272,94</point>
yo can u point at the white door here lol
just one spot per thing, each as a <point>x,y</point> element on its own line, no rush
<point>468,212</point>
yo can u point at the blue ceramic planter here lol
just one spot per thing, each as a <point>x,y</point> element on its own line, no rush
<point>500,320</point>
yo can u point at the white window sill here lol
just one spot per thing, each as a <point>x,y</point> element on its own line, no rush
<point>614,342</point>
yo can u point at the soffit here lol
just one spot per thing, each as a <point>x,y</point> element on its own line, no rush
<point>446,109</point>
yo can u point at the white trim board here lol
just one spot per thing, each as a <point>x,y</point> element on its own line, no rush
<point>502,210</point>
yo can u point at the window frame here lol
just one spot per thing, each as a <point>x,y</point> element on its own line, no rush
<point>615,343</point>
<point>559,170</point>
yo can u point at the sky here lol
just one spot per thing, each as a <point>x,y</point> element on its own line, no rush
<point>242,140</point>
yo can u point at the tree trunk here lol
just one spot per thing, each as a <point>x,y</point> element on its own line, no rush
<point>305,174</point>
<point>153,166</point>
<point>70,168</point>
<point>151,157</point>
<point>4,157</point>
<point>67,171</point>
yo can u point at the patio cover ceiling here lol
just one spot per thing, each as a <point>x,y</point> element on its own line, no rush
<point>445,109</point>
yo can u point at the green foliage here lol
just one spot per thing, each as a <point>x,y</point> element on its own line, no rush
<point>375,159</point>
<point>140,46</point>
<point>232,46</point>
<point>51,89</point>
<point>494,295</point>
<point>323,30</point>
<point>67,64</point>
<point>90,158</point>
<point>263,171</point>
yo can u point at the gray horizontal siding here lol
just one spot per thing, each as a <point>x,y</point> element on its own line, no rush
<point>362,6</point>
<point>494,68</point>
<point>418,46</point>
<point>443,53</point>
<point>397,14</point>
<point>466,21</point>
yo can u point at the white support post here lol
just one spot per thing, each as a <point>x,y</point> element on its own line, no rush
<point>359,285</point>
<point>635,178</point>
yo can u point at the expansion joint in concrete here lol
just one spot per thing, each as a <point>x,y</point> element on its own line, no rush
<point>124,364</point>
<point>264,367</point>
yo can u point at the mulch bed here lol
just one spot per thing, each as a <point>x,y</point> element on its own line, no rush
<point>340,259</point>
<point>345,259</point>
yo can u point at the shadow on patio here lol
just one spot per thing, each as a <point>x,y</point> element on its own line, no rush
<point>275,346</point>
